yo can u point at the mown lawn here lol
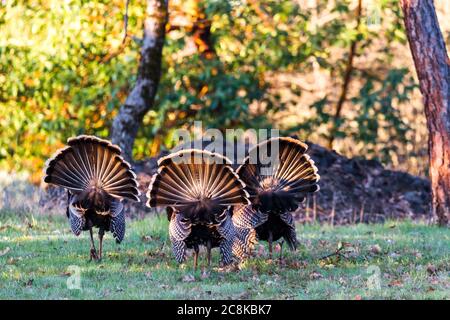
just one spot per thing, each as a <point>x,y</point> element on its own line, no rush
<point>39,257</point>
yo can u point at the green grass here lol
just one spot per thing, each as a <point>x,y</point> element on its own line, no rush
<point>36,255</point>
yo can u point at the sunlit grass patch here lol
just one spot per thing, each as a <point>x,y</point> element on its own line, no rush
<point>39,258</point>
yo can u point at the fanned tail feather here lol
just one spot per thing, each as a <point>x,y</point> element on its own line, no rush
<point>281,185</point>
<point>179,230</point>
<point>117,220</point>
<point>245,220</point>
<point>89,162</point>
<point>195,181</point>
<point>245,242</point>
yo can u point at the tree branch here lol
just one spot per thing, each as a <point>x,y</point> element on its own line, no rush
<point>125,22</point>
<point>141,98</point>
<point>347,78</point>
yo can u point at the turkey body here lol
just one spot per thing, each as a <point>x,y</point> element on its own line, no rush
<point>198,192</point>
<point>274,229</point>
<point>203,234</point>
<point>97,179</point>
<point>277,187</point>
<point>92,218</point>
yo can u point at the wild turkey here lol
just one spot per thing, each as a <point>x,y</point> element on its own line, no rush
<point>97,179</point>
<point>276,188</point>
<point>199,187</point>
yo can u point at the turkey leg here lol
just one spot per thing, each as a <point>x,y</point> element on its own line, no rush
<point>195,257</point>
<point>270,239</point>
<point>101,233</point>
<point>208,249</point>
<point>93,252</point>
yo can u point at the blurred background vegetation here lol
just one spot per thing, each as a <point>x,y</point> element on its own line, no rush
<point>333,72</point>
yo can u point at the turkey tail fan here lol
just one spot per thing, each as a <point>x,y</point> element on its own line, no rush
<point>194,181</point>
<point>89,162</point>
<point>279,185</point>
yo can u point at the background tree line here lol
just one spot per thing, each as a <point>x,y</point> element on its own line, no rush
<point>335,72</point>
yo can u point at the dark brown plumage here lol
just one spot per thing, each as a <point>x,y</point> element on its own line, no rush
<point>199,187</point>
<point>278,176</point>
<point>97,179</point>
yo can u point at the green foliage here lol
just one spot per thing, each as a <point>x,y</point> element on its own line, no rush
<point>65,71</point>
<point>57,75</point>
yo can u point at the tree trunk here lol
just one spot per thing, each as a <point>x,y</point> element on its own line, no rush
<point>433,69</point>
<point>334,125</point>
<point>142,96</point>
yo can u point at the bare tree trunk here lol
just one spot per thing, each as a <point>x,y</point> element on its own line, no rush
<point>142,96</point>
<point>334,125</point>
<point>433,69</point>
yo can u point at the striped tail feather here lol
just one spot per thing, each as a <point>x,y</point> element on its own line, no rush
<point>279,186</point>
<point>88,162</point>
<point>244,242</point>
<point>245,220</point>
<point>194,181</point>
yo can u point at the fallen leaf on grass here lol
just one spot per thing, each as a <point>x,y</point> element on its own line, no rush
<point>243,296</point>
<point>298,264</point>
<point>395,283</point>
<point>7,226</point>
<point>394,255</point>
<point>434,281</point>
<point>29,283</point>
<point>5,251</point>
<point>188,278</point>
<point>146,238</point>
<point>323,243</point>
<point>261,250</point>
<point>376,249</point>
<point>432,270</point>
<point>315,275</point>
<point>230,268</point>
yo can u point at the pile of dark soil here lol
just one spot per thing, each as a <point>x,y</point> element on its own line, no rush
<point>360,190</point>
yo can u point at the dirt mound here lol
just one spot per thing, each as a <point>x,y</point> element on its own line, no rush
<point>352,190</point>
<point>357,189</point>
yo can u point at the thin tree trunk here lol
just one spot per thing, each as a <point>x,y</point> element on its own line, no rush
<point>433,69</point>
<point>334,126</point>
<point>142,96</point>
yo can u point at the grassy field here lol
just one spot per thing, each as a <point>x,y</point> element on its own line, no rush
<point>39,257</point>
